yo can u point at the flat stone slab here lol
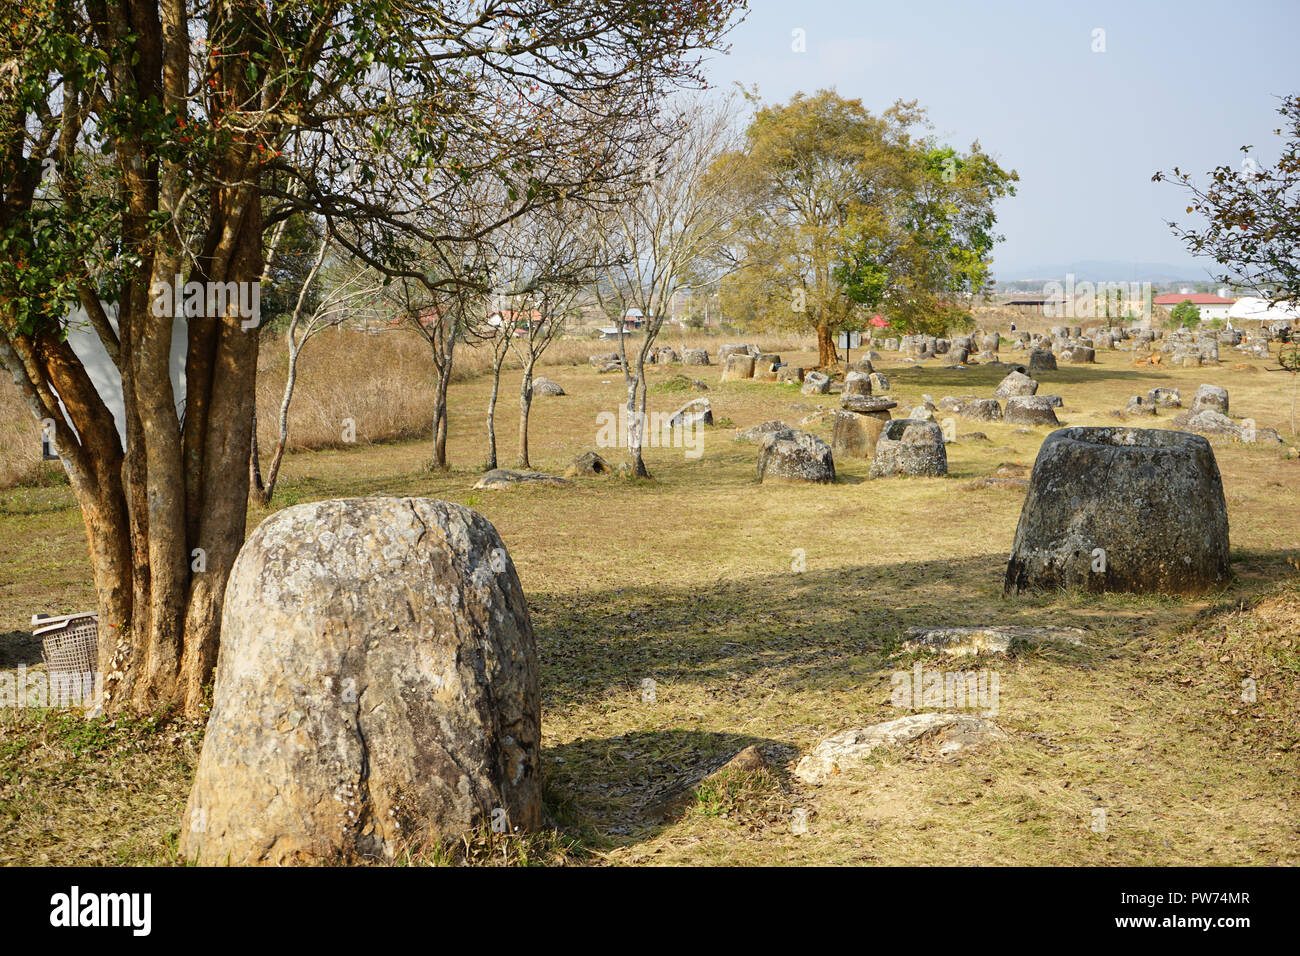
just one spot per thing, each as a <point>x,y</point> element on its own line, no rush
<point>500,478</point>
<point>850,749</point>
<point>963,641</point>
<point>866,403</point>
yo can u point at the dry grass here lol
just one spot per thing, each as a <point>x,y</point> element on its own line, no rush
<point>687,580</point>
<point>382,382</point>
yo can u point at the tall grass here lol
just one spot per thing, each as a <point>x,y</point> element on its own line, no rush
<point>382,382</point>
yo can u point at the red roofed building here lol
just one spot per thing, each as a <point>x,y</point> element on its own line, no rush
<point>1211,306</point>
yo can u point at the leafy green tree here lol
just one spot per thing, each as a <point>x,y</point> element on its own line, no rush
<point>850,213</point>
<point>142,140</point>
<point>1185,315</point>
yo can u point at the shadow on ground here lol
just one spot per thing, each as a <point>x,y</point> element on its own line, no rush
<point>650,780</point>
<point>732,638</point>
<point>19,647</point>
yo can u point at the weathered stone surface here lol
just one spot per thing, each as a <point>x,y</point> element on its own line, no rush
<point>695,357</point>
<point>1041,360</point>
<point>738,366</point>
<point>666,355</point>
<point>1138,407</point>
<point>758,431</point>
<point>857,383</point>
<point>850,749</point>
<point>790,374</point>
<point>502,478</point>
<point>544,386</point>
<point>909,447</point>
<point>747,761</point>
<point>1210,422</point>
<point>376,688</point>
<point>1008,639</point>
<point>879,383</point>
<point>982,410</point>
<point>696,412</point>
<point>1029,410</point>
<point>1152,500</point>
<point>726,351</point>
<point>794,456</point>
<point>765,367</point>
<point>1165,398</point>
<point>957,354</point>
<point>855,435</point>
<point>1079,355</point>
<point>867,404</point>
<point>1016,383</point>
<point>1210,397</point>
<point>863,365</point>
<point>588,465</point>
<point>603,359</point>
<point>816,383</point>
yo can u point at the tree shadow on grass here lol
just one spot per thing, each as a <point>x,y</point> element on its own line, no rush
<point>19,647</point>
<point>749,636</point>
<point>735,638</point>
<point>734,642</point>
<point>626,788</point>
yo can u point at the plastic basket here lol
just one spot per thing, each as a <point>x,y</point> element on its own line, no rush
<point>69,646</point>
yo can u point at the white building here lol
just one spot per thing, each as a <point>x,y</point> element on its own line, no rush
<point>1211,306</point>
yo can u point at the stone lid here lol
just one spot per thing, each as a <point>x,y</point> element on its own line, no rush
<point>866,403</point>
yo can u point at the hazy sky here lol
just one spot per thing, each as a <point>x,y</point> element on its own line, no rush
<point>1179,84</point>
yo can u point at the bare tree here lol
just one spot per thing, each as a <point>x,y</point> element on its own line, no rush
<point>441,313</point>
<point>354,285</point>
<point>498,339</point>
<point>543,265</point>
<point>679,217</point>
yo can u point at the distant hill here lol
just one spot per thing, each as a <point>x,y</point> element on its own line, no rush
<point>1103,270</point>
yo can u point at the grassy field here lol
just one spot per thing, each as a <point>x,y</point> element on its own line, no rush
<point>688,580</point>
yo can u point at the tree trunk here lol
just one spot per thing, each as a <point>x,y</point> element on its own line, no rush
<point>439,462</point>
<point>525,406</point>
<point>638,463</point>
<point>257,489</point>
<point>264,493</point>
<point>164,510</point>
<point>492,413</point>
<point>826,354</point>
<point>636,421</point>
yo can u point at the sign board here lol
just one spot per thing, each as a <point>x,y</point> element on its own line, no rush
<point>850,340</point>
